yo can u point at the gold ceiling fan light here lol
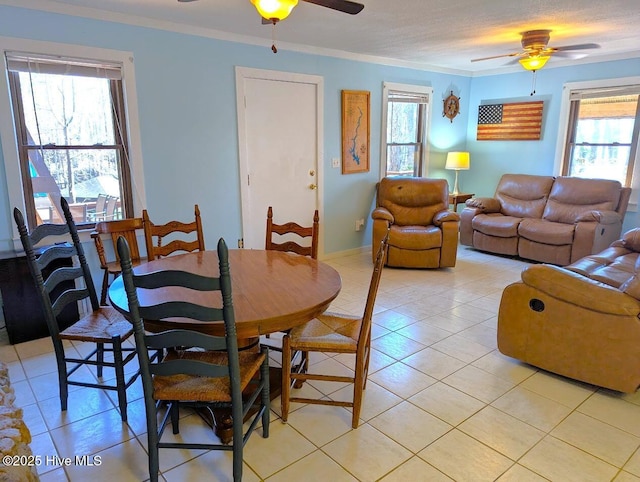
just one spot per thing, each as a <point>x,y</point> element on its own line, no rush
<point>274,10</point>
<point>534,62</point>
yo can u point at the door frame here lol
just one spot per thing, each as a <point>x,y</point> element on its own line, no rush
<point>244,73</point>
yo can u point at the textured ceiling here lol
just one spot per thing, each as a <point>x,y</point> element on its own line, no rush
<point>431,34</point>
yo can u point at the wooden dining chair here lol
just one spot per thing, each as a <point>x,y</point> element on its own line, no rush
<point>160,231</point>
<point>115,229</point>
<point>332,333</point>
<point>210,373</point>
<point>102,325</point>
<point>290,235</point>
<point>289,231</point>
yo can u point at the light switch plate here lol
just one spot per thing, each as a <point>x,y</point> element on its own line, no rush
<point>335,162</point>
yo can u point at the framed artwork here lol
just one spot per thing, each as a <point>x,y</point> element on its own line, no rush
<point>355,131</point>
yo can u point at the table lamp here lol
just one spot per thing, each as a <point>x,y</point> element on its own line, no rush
<point>457,161</point>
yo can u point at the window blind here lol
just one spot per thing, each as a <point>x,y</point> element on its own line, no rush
<point>24,62</point>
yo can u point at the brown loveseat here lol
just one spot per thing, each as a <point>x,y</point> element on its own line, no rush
<point>581,321</point>
<point>542,218</point>
<point>423,232</point>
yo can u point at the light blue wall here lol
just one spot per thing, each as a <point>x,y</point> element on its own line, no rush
<point>186,98</point>
<point>490,159</point>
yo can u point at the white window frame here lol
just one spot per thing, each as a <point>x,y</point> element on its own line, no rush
<point>563,127</point>
<point>7,124</point>
<point>405,89</point>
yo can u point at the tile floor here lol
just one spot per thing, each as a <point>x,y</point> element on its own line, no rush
<point>441,402</point>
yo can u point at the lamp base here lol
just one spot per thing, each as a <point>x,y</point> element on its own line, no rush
<point>455,191</point>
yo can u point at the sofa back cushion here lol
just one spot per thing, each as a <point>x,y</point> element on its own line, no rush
<point>413,200</point>
<point>571,197</point>
<point>523,195</point>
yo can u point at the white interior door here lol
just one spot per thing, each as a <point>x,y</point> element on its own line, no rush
<point>279,119</point>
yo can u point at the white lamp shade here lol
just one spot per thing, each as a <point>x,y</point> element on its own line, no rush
<point>457,161</point>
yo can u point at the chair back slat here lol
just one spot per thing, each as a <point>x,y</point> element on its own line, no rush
<point>46,230</point>
<point>68,297</point>
<point>55,252</point>
<point>180,309</point>
<point>295,230</point>
<point>60,275</point>
<point>161,279</point>
<point>115,229</point>
<point>159,231</point>
<point>184,338</point>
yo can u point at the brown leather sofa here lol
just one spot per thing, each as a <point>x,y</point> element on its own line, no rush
<point>423,232</point>
<point>553,220</point>
<point>581,321</point>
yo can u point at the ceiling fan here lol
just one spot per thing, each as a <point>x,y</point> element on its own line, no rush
<point>275,10</point>
<point>536,52</point>
<point>272,11</point>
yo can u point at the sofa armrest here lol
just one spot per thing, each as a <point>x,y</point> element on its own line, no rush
<point>602,217</point>
<point>444,216</point>
<point>383,214</point>
<point>579,290</point>
<point>485,204</point>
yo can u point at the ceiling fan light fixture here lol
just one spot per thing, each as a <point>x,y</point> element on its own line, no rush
<point>534,62</point>
<point>274,9</point>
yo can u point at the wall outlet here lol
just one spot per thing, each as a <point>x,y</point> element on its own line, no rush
<point>359,224</point>
<point>335,162</point>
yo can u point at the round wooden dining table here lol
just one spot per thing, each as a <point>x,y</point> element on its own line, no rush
<point>271,290</point>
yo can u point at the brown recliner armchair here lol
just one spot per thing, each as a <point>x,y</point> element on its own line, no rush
<point>423,231</point>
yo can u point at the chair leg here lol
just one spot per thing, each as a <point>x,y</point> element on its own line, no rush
<point>358,388</point>
<point>99,359</point>
<point>63,386</point>
<point>266,402</point>
<point>286,377</point>
<point>105,285</point>
<point>120,382</point>
<point>304,367</point>
<point>174,412</point>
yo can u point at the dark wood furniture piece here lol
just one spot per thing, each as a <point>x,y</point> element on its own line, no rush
<point>103,326</point>
<point>460,198</point>
<point>115,229</point>
<point>23,314</point>
<point>290,231</point>
<point>210,374</point>
<point>332,333</point>
<point>159,231</point>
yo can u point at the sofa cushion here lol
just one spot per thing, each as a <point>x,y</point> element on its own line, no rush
<point>415,237</point>
<point>523,195</point>
<point>496,225</point>
<point>546,232</point>
<point>613,266</point>
<point>571,197</point>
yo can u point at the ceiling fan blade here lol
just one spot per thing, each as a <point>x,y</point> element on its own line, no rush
<point>576,47</point>
<point>186,1</point>
<point>498,56</point>
<point>345,6</point>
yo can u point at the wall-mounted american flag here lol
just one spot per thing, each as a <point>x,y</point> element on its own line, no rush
<point>519,121</point>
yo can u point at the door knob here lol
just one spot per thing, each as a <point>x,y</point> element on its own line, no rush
<point>312,186</point>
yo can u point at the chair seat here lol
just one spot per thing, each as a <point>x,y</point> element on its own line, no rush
<point>99,326</point>
<point>113,267</point>
<point>204,389</point>
<point>327,332</point>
